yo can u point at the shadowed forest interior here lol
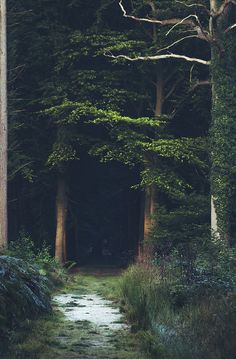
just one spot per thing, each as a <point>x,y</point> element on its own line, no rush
<point>117,179</point>
<point>103,213</point>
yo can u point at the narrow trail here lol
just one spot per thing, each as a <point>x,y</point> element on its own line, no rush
<point>87,324</point>
<point>93,326</point>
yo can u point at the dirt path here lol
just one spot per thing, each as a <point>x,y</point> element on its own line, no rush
<point>87,324</point>
<point>93,326</point>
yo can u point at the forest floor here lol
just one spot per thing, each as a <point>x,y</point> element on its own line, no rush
<point>86,323</point>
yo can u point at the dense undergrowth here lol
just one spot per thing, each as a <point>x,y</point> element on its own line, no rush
<point>182,319</point>
<point>27,279</point>
<point>187,317</point>
<point>184,299</point>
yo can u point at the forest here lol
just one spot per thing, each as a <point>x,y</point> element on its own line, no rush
<point>117,179</point>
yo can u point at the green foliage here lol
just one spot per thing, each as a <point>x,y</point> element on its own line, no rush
<point>90,103</point>
<point>190,150</point>
<point>166,181</point>
<point>151,344</point>
<point>75,112</point>
<point>129,143</point>
<point>184,228</point>
<point>24,293</point>
<point>190,316</point>
<point>185,295</point>
<point>68,99</point>
<point>45,338</point>
<point>61,154</point>
<point>134,296</point>
<point>39,258</point>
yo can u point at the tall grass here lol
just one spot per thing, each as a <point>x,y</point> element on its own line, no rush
<point>183,324</point>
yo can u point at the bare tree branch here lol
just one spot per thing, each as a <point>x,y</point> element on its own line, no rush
<point>180,40</point>
<point>194,5</point>
<point>230,28</point>
<point>173,88</point>
<point>200,83</point>
<point>170,75</point>
<point>155,21</point>
<point>182,21</point>
<point>191,20</point>
<point>189,93</point>
<point>159,57</point>
<point>223,7</point>
<point>202,34</point>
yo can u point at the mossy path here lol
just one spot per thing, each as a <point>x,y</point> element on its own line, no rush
<point>86,324</point>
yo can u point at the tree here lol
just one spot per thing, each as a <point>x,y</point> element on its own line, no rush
<point>223,76</point>
<point>61,66</point>
<point>221,17</point>
<point>59,60</point>
<point>3,126</point>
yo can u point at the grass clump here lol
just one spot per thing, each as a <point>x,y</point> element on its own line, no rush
<point>187,314</point>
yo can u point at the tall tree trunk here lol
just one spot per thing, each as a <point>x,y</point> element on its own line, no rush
<point>149,211</point>
<point>159,91</point>
<point>223,129</point>
<point>141,223</point>
<point>3,126</point>
<point>214,226</point>
<point>150,193</point>
<point>61,214</point>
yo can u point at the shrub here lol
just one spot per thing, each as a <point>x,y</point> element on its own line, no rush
<point>40,258</point>
<point>191,315</point>
<point>24,293</point>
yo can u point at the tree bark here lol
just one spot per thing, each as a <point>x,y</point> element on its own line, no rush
<point>214,5</point>
<point>3,126</point>
<point>214,226</point>
<point>159,91</point>
<point>150,193</point>
<point>149,211</point>
<point>61,214</point>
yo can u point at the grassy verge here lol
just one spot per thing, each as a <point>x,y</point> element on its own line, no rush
<point>179,320</point>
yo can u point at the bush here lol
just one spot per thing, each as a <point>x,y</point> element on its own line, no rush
<point>190,314</point>
<point>24,293</point>
<point>39,258</point>
<point>185,295</point>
